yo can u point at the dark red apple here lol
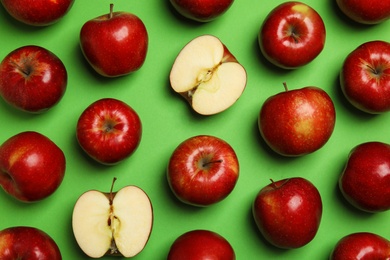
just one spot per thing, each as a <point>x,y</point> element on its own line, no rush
<point>365,11</point>
<point>201,245</point>
<point>37,12</point>
<point>22,242</point>
<point>201,10</point>
<point>109,130</point>
<point>292,35</point>
<point>365,77</point>
<point>32,79</point>
<point>365,180</point>
<point>32,166</point>
<point>297,122</point>
<point>288,212</point>
<point>362,246</point>
<point>203,170</point>
<point>114,44</point>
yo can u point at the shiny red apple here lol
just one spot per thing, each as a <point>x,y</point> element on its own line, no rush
<point>32,166</point>
<point>109,130</point>
<point>23,242</point>
<point>365,11</point>
<point>114,44</point>
<point>201,245</point>
<point>297,122</point>
<point>203,170</point>
<point>288,212</point>
<point>201,10</point>
<point>365,77</point>
<point>292,35</point>
<point>32,79</point>
<point>37,12</point>
<point>361,246</point>
<point>365,180</point>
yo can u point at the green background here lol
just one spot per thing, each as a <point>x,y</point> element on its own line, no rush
<point>168,120</point>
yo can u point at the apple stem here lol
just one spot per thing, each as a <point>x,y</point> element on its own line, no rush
<point>111,11</point>
<point>285,86</point>
<point>207,163</point>
<point>273,183</point>
<point>112,187</point>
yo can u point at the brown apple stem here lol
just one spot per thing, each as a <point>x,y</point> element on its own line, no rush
<point>111,11</point>
<point>207,163</point>
<point>112,187</point>
<point>285,86</point>
<point>273,183</point>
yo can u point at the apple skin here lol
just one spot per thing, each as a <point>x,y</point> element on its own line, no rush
<point>297,122</point>
<point>114,44</point>
<point>362,246</point>
<point>365,180</point>
<point>203,170</point>
<point>364,77</point>
<point>201,244</point>
<point>32,166</point>
<point>201,10</point>
<point>22,242</point>
<point>37,12</point>
<point>109,131</point>
<point>292,35</point>
<point>32,79</point>
<point>365,11</point>
<point>288,212</point>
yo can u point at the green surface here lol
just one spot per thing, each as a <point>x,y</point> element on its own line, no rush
<point>168,120</point>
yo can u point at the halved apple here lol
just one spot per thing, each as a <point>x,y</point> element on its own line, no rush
<point>113,223</point>
<point>207,75</point>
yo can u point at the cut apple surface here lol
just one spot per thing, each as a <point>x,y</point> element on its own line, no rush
<point>208,75</point>
<point>113,223</point>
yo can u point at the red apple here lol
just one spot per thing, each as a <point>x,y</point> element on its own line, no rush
<point>365,11</point>
<point>114,44</point>
<point>365,77</point>
<point>292,35</point>
<point>297,122</point>
<point>32,79</point>
<point>37,12</point>
<point>201,10</point>
<point>203,170</point>
<point>199,245</point>
<point>362,246</point>
<point>109,130</point>
<point>32,166</point>
<point>288,212</point>
<point>365,180</point>
<point>30,243</point>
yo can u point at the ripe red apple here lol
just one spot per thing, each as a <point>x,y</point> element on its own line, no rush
<point>362,246</point>
<point>109,130</point>
<point>297,122</point>
<point>207,75</point>
<point>37,12</point>
<point>292,35</point>
<point>22,242</point>
<point>288,212</point>
<point>365,11</point>
<point>32,166</point>
<point>365,180</point>
<point>201,10</point>
<point>365,79</point>
<point>203,170</point>
<point>114,44</point>
<point>32,79</point>
<point>201,244</point>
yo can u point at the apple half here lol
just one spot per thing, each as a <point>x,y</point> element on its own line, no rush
<point>113,223</point>
<point>207,75</point>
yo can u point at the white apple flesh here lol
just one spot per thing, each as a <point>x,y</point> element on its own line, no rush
<point>208,75</point>
<point>113,223</point>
